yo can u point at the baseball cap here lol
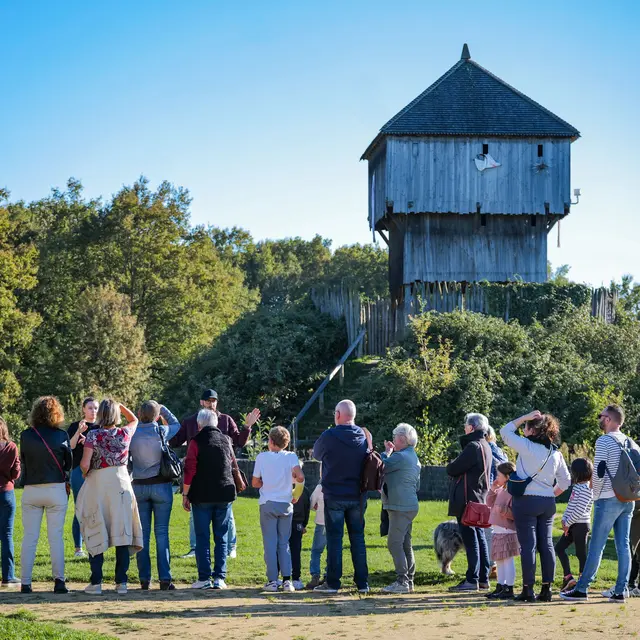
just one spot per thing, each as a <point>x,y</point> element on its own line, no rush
<point>209,394</point>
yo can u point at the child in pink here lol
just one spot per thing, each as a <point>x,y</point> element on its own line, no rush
<point>504,546</point>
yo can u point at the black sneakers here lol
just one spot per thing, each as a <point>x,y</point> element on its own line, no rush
<point>575,596</point>
<point>26,588</point>
<point>617,597</point>
<point>60,586</point>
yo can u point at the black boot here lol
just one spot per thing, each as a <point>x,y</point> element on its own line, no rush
<point>60,586</point>
<point>527,595</point>
<point>506,593</point>
<point>495,593</point>
<point>545,593</point>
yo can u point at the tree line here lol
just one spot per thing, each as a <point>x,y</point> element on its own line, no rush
<point>125,296</point>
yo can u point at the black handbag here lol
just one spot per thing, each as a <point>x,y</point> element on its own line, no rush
<point>516,485</point>
<point>170,465</point>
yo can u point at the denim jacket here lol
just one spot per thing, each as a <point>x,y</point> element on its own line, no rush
<point>145,449</point>
<point>402,480</point>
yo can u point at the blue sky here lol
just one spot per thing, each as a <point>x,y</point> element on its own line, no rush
<point>263,108</point>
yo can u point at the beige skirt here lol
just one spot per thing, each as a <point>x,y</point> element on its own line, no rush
<point>504,545</point>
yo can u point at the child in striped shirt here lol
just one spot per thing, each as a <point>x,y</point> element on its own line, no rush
<point>576,520</point>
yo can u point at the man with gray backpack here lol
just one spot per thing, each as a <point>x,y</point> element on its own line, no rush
<point>616,486</point>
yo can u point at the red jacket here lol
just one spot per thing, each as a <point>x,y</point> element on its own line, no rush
<point>9,465</point>
<point>189,429</point>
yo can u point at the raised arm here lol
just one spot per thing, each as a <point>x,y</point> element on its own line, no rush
<point>130,416</point>
<point>173,424</point>
<point>512,439</point>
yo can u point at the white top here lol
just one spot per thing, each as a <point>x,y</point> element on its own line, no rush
<point>608,451</point>
<point>531,457</point>
<point>317,502</point>
<point>275,469</point>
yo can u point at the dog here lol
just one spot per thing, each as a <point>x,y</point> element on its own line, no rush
<point>447,541</point>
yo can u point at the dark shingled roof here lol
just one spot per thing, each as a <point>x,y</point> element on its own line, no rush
<point>468,100</point>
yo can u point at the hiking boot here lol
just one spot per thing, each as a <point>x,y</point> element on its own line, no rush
<point>464,586</point>
<point>545,593</point>
<point>313,583</point>
<point>495,593</point>
<point>145,584</point>
<point>506,593</point>
<point>325,588</point>
<point>60,587</point>
<point>527,595</point>
<point>574,596</point>
<point>26,588</point>
<point>396,587</point>
<point>167,585</point>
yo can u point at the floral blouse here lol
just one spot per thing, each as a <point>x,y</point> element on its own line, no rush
<point>110,446</point>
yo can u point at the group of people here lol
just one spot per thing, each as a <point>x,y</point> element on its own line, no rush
<point>522,502</point>
<point>120,485</point>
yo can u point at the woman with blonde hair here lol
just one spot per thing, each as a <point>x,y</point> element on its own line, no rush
<point>9,471</point>
<point>46,459</point>
<point>106,507</point>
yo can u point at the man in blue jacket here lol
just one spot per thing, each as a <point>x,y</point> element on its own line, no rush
<point>342,451</point>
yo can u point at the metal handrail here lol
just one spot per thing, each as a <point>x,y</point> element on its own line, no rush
<point>316,394</point>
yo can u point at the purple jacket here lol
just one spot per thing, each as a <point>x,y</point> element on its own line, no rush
<point>189,429</point>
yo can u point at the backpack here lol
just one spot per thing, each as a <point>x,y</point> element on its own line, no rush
<point>626,482</point>
<point>372,472</point>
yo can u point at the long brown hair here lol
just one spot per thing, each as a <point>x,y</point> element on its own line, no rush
<point>4,431</point>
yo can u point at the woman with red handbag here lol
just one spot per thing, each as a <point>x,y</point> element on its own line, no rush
<point>469,474</point>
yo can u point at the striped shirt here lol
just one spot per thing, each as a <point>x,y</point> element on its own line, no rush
<point>579,507</point>
<point>608,455</point>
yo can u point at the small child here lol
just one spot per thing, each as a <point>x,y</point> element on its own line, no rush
<point>298,529</point>
<point>504,546</point>
<point>319,538</point>
<point>274,473</point>
<point>576,520</point>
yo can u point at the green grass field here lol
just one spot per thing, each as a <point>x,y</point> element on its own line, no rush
<point>248,568</point>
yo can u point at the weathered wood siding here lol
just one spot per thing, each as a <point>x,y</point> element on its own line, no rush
<point>438,175</point>
<point>377,186</point>
<point>450,247</point>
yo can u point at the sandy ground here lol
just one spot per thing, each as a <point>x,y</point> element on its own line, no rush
<point>246,613</point>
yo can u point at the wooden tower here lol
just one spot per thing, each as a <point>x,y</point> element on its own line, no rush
<point>467,181</point>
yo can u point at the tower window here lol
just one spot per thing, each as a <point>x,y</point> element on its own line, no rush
<point>485,148</point>
<point>534,221</point>
<point>540,150</point>
<point>483,220</point>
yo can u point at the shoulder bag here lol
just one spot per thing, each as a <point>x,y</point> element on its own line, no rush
<point>516,485</point>
<point>239,479</point>
<point>170,465</point>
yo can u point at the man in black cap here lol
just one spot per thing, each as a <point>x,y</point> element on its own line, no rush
<point>226,424</point>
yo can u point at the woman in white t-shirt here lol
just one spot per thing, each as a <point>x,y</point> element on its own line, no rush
<point>274,473</point>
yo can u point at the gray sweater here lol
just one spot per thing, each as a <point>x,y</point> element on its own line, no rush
<point>402,480</point>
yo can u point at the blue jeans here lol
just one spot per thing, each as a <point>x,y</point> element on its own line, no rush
<point>475,545</point>
<point>533,517</point>
<point>205,515</point>
<point>609,513</point>
<point>76,484</point>
<point>156,500</point>
<point>232,538</point>
<point>122,566</point>
<point>7,515</point>
<point>317,547</point>
<point>337,513</point>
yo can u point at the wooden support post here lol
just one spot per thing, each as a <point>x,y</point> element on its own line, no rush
<point>341,376</point>
<point>321,402</point>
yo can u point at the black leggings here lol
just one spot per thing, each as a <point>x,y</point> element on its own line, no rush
<point>578,534</point>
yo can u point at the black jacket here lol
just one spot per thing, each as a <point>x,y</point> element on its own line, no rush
<point>302,508</point>
<point>38,466</point>
<point>213,481</point>
<point>79,450</point>
<point>474,459</point>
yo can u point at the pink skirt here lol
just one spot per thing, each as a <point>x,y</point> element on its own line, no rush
<point>504,545</point>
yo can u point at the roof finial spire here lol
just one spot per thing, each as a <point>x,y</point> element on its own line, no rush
<point>465,52</point>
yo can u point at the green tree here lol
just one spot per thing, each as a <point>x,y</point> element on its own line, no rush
<point>108,356</point>
<point>18,268</point>
<point>364,266</point>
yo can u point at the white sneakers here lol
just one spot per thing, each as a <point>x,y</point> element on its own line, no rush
<point>233,553</point>
<point>202,584</point>
<point>93,589</point>
<point>219,583</point>
<point>121,589</point>
<point>287,586</point>
<point>397,587</point>
<point>609,592</point>
<point>79,553</point>
<point>298,585</point>
<point>271,587</point>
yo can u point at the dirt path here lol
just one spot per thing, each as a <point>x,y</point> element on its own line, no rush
<point>245,613</point>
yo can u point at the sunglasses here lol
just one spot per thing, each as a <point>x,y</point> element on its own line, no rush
<point>603,415</point>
